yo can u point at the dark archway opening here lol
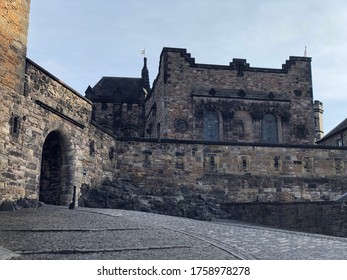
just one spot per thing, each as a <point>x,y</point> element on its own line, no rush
<point>51,170</point>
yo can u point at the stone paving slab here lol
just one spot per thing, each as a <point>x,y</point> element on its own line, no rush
<point>92,240</point>
<point>59,233</point>
<point>205,252</point>
<point>84,233</point>
<point>252,242</point>
<point>49,218</point>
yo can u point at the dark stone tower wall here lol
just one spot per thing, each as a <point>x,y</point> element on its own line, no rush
<point>14,22</point>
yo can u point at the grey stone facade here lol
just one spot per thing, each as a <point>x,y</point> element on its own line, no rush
<point>242,103</point>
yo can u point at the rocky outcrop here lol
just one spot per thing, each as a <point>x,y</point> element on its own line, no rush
<point>166,199</point>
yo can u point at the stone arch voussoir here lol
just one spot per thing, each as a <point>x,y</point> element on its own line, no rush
<point>57,159</point>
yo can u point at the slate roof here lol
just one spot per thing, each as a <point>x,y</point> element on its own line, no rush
<point>337,129</point>
<point>117,89</point>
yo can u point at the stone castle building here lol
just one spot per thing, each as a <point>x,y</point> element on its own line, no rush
<point>233,103</point>
<point>201,135</point>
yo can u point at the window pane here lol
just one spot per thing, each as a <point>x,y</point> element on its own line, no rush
<point>211,126</point>
<point>269,129</point>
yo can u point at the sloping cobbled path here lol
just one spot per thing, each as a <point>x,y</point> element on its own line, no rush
<point>85,233</point>
<point>248,241</point>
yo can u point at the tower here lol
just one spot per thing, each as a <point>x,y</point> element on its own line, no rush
<point>14,22</point>
<point>318,119</point>
<point>145,76</point>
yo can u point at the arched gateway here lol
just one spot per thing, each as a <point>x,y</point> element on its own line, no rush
<point>55,180</point>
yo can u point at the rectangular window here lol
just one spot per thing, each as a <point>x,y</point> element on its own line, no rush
<point>15,125</point>
<point>339,142</point>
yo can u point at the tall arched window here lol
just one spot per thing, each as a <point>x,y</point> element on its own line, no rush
<point>211,126</point>
<point>269,130</point>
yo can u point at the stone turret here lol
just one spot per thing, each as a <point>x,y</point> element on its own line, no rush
<point>318,119</point>
<point>145,76</point>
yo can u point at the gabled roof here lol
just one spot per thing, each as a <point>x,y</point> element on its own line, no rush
<point>337,129</point>
<point>118,89</point>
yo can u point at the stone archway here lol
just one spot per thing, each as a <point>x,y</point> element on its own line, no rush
<point>55,171</point>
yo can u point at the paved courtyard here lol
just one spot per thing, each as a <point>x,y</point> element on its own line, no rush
<point>59,233</point>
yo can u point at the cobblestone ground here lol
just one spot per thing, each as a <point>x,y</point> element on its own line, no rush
<point>59,233</point>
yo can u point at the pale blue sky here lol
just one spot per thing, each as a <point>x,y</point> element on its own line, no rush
<point>79,41</point>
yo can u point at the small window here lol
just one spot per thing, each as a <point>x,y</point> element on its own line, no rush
<point>339,142</point>
<point>277,162</point>
<point>241,130</point>
<point>111,153</point>
<point>92,148</point>
<point>211,164</point>
<point>15,125</point>
<point>244,163</point>
<point>307,164</point>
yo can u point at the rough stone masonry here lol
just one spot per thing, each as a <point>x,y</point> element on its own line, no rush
<point>203,135</point>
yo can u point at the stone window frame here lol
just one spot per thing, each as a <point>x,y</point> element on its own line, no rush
<point>179,156</point>
<point>264,127</point>
<point>244,163</point>
<point>305,161</point>
<point>339,165</point>
<point>277,163</point>
<point>240,129</point>
<point>92,148</point>
<point>211,163</point>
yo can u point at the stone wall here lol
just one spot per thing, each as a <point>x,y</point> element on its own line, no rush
<point>52,111</point>
<point>14,22</point>
<point>13,41</point>
<point>240,173</point>
<point>328,218</point>
<point>195,179</point>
